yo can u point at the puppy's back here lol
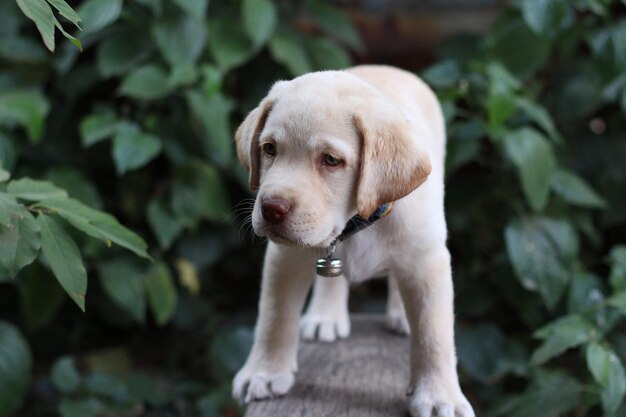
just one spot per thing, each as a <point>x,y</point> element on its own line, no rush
<point>411,94</point>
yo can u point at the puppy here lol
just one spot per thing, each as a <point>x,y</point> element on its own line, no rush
<point>321,149</point>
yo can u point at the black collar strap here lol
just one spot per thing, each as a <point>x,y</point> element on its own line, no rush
<point>358,223</point>
<point>331,267</point>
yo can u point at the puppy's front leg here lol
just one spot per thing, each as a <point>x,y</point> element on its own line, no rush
<point>426,289</point>
<point>269,369</point>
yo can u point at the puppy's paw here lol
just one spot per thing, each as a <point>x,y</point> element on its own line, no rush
<point>397,322</point>
<point>256,384</point>
<point>325,327</point>
<point>428,401</point>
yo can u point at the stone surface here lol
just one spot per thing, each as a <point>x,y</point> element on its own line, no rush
<point>364,375</point>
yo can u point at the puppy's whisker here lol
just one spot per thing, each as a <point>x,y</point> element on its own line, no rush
<point>237,214</point>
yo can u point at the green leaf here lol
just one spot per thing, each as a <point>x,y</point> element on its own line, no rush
<point>199,195</point>
<point>41,296</point>
<point>443,74</point>
<point>64,375</point>
<point>64,258</point>
<point>97,127</point>
<point>39,12</point>
<point>550,394</point>
<point>15,368</point>
<point>259,19</point>
<point>598,7</point>
<point>162,293</point>
<point>180,38</point>
<point>230,347</point>
<point>618,41</point>
<point>144,388</point>
<point>539,115</point>
<point>547,17</point>
<point>102,383</point>
<point>8,208</point>
<point>182,75</point>
<point>97,224</point>
<point>22,50</point>
<point>448,107</point>
<point>213,114</point>
<point>335,23</point>
<point>585,293</point>
<point>542,252</point>
<point>326,55</point>
<point>479,350</point>
<point>19,240</point>
<point>228,43</point>
<point>123,281</point>
<point>563,334</point>
<point>195,8</point>
<point>608,372</point>
<point>4,175</point>
<point>25,108</point>
<point>163,224</point>
<point>513,44</point>
<point>212,80</point>
<point>500,107</point>
<point>533,156</point>
<point>122,51</point>
<point>575,190</point>
<point>133,148</point>
<point>76,184</point>
<point>97,14</point>
<point>618,301</point>
<point>66,11</point>
<point>34,190</point>
<point>145,83</point>
<point>501,80</point>
<point>90,407</point>
<point>77,43</point>
<point>464,144</point>
<point>289,50</point>
<point>617,257</point>
<point>4,275</point>
<point>8,154</point>
<point>578,96</point>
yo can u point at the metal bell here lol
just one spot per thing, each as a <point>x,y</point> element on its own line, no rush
<point>328,266</point>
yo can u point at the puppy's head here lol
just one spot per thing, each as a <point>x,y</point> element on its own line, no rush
<point>322,148</point>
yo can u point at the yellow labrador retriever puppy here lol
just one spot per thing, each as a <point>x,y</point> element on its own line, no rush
<point>321,149</point>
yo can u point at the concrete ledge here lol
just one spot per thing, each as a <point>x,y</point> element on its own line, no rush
<point>365,375</point>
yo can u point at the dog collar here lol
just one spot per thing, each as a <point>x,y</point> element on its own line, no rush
<point>358,223</point>
<point>332,267</point>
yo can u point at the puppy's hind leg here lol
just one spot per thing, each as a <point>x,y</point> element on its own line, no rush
<point>395,319</point>
<point>327,317</point>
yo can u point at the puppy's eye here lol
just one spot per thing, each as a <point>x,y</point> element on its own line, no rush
<point>331,161</point>
<point>269,149</point>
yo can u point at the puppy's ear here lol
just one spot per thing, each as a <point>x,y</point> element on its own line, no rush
<point>247,140</point>
<point>392,162</point>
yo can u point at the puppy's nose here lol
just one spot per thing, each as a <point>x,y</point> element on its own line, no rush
<point>275,209</point>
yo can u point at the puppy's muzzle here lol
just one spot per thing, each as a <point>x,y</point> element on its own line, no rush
<point>275,210</point>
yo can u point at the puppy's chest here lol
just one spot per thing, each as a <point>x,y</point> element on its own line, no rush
<point>363,257</point>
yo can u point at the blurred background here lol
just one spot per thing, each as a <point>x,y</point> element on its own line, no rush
<point>139,125</point>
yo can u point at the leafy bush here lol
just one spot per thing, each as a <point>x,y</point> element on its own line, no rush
<point>139,125</point>
<point>536,122</point>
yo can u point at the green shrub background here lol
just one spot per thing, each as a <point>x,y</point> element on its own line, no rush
<point>140,123</point>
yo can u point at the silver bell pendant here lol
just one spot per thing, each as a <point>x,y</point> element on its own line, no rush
<point>328,266</point>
